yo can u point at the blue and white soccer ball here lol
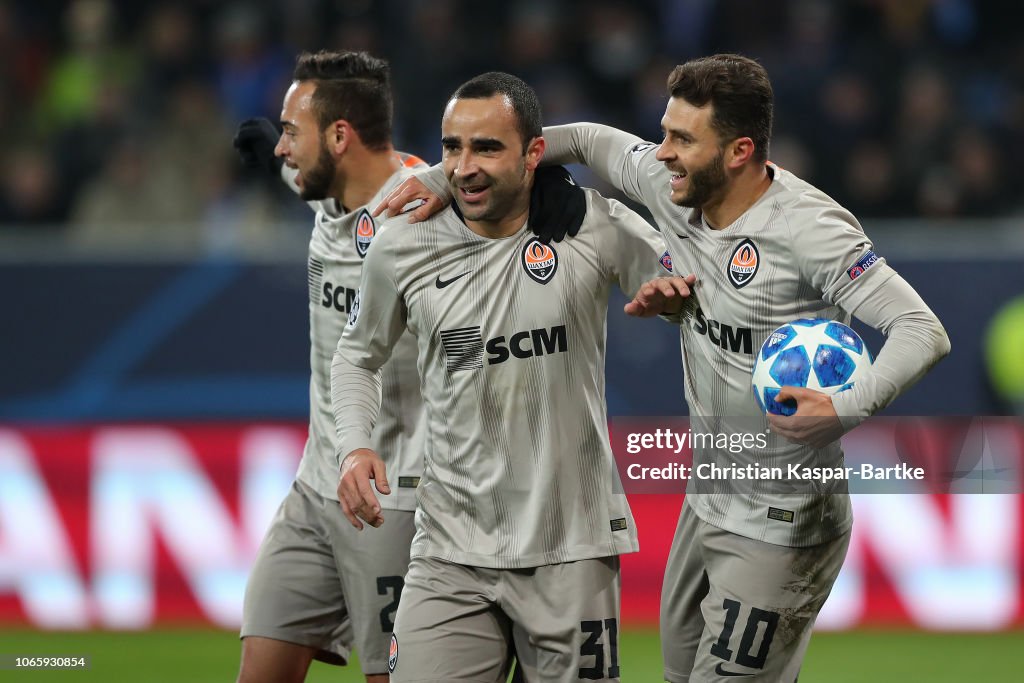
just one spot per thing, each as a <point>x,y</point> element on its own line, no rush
<point>823,355</point>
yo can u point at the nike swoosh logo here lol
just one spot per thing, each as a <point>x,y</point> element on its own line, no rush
<point>441,284</point>
<point>725,672</point>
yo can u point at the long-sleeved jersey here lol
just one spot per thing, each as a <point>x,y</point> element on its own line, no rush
<point>511,334</point>
<point>795,253</point>
<point>337,248</point>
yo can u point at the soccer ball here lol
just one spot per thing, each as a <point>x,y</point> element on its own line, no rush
<point>824,355</point>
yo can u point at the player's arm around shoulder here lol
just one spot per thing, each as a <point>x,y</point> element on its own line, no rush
<point>620,158</point>
<point>420,196</point>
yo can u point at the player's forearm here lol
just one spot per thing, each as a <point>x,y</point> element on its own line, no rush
<point>436,181</point>
<point>915,341</point>
<point>594,145</point>
<point>355,400</point>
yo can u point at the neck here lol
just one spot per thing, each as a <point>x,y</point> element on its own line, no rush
<point>504,227</point>
<point>742,193</point>
<point>362,174</point>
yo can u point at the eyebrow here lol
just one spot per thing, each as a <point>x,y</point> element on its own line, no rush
<point>486,142</point>
<point>679,132</point>
<point>475,142</point>
<point>285,124</point>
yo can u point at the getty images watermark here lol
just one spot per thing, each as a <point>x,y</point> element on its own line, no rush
<point>883,455</point>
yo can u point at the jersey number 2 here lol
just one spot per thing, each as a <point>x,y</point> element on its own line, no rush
<point>394,585</point>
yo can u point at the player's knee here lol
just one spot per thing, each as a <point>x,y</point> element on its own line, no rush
<point>265,660</point>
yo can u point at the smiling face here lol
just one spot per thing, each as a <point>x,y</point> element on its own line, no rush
<point>489,173</point>
<point>302,144</point>
<point>693,153</point>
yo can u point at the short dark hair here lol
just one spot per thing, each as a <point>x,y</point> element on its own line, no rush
<point>740,94</point>
<point>354,86</point>
<point>526,105</point>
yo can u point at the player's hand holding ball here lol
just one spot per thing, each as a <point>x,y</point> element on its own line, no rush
<point>357,499</point>
<point>798,368</point>
<point>814,423</point>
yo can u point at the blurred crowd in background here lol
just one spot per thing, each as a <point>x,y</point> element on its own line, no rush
<point>116,116</point>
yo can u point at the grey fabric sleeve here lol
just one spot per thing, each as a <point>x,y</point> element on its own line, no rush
<point>610,153</point>
<point>605,150</point>
<point>915,341</point>
<point>373,329</point>
<point>435,180</point>
<point>634,251</point>
<point>356,399</point>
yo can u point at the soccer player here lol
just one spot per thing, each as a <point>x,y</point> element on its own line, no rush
<point>750,569</point>
<point>317,586</point>
<point>521,515</point>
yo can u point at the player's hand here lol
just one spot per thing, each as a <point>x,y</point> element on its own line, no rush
<point>661,296</point>
<point>814,423</point>
<point>255,141</point>
<point>357,499</point>
<point>410,191</point>
<point>557,204</point>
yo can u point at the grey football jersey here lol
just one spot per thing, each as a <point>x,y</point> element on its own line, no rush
<point>511,334</point>
<point>337,249</point>
<point>794,254</point>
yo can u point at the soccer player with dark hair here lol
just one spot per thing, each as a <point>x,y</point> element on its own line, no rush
<point>318,587</point>
<point>521,515</point>
<point>751,566</point>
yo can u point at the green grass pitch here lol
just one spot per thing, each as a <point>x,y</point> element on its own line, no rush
<point>199,656</point>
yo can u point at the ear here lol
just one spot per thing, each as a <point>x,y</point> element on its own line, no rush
<point>740,151</point>
<point>338,136</point>
<point>535,152</point>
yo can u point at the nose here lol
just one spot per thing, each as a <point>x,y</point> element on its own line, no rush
<point>664,152</point>
<point>467,165</point>
<point>280,149</point>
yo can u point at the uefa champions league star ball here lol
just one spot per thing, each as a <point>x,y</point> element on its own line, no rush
<point>823,355</point>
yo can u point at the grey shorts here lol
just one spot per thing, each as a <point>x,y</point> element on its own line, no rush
<point>733,607</point>
<point>319,582</point>
<point>459,623</point>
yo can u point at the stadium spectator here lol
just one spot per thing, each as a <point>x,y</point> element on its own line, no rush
<point>27,190</point>
<point>862,84</point>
